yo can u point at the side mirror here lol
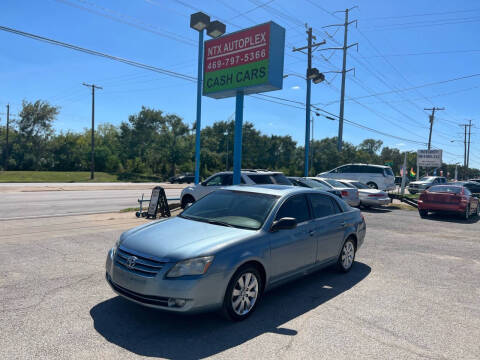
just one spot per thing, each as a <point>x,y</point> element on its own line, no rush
<point>203,183</point>
<point>284,224</point>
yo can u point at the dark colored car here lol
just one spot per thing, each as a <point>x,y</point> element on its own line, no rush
<point>474,187</point>
<point>312,184</point>
<point>450,199</point>
<point>182,179</point>
<point>475,180</point>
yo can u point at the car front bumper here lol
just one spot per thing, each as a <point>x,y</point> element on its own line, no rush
<point>200,293</point>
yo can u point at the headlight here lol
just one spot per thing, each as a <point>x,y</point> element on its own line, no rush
<point>196,266</point>
<point>115,247</point>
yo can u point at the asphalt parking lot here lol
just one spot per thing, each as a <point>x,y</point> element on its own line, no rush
<point>413,293</point>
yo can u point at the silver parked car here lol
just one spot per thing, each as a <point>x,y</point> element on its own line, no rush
<point>424,183</point>
<point>368,196</point>
<point>349,194</point>
<point>226,249</point>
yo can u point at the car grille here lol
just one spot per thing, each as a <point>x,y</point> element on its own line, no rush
<point>146,299</point>
<point>143,266</point>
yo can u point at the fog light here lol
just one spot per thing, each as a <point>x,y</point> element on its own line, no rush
<point>176,302</point>
<point>180,302</point>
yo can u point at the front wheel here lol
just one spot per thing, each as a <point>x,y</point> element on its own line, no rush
<point>423,213</point>
<point>243,293</point>
<point>467,212</point>
<point>347,256</point>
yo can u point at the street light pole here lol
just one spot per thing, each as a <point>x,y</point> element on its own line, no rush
<point>199,107</point>
<point>200,21</point>
<point>226,157</point>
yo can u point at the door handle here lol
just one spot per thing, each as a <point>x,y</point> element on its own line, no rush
<point>311,232</point>
<point>343,224</point>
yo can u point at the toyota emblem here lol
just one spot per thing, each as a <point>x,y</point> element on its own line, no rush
<point>131,261</point>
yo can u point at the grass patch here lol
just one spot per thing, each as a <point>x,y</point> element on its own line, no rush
<point>55,176</point>
<point>130,209</point>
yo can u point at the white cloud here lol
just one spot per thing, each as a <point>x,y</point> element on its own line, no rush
<point>296,87</point>
<point>399,144</point>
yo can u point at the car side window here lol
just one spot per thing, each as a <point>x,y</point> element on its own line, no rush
<point>215,181</point>
<point>295,207</point>
<point>322,206</point>
<point>227,180</point>
<point>466,191</point>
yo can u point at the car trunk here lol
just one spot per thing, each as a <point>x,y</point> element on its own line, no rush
<point>443,198</point>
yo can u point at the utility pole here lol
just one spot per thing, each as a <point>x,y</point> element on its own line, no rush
<point>344,70</point>
<point>465,151</point>
<point>6,142</point>
<point>92,160</point>
<point>312,74</point>
<point>468,144</point>
<point>431,118</point>
<point>311,145</point>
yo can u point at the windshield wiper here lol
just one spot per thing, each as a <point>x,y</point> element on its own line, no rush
<point>217,222</point>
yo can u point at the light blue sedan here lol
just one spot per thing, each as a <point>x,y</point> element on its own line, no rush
<point>225,250</point>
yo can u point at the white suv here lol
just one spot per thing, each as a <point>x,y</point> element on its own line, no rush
<point>249,177</point>
<point>375,176</point>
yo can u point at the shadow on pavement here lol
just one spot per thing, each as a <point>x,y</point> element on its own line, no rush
<point>148,332</point>
<point>377,210</point>
<point>453,218</point>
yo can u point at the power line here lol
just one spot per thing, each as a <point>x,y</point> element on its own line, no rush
<point>415,87</point>
<point>128,20</point>
<point>99,54</point>
<point>422,14</point>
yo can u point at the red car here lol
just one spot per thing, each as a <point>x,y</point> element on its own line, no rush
<point>448,198</point>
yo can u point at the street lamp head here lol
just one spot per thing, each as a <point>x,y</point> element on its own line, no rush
<point>312,73</point>
<point>319,78</point>
<point>199,21</point>
<point>216,29</point>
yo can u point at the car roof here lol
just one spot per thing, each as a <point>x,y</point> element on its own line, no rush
<point>278,190</point>
<point>250,172</point>
<point>380,166</point>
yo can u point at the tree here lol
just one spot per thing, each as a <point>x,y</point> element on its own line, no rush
<point>35,127</point>
<point>370,146</point>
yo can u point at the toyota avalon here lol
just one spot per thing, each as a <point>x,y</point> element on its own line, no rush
<point>226,249</point>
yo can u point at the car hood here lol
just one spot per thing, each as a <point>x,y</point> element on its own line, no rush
<point>178,238</point>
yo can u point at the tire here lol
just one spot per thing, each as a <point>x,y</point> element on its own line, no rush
<point>347,256</point>
<point>187,199</point>
<point>466,216</point>
<point>372,185</point>
<point>423,213</point>
<point>477,212</point>
<point>239,302</point>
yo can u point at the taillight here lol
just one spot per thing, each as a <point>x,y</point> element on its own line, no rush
<point>344,193</point>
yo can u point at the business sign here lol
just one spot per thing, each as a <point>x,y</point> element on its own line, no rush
<point>429,158</point>
<point>249,60</point>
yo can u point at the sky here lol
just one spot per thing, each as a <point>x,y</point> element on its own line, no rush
<point>410,56</point>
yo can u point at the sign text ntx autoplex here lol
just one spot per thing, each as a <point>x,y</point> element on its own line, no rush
<point>242,61</point>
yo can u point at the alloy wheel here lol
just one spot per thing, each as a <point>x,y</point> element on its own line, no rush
<point>348,254</point>
<point>245,293</point>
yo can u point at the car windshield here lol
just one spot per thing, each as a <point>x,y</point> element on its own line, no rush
<point>388,172</point>
<point>335,183</point>
<point>281,179</point>
<point>427,178</point>
<point>359,185</point>
<point>446,189</point>
<point>232,208</point>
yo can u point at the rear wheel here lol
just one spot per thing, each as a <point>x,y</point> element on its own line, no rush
<point>372,185</point>
<point>347,256</point>
<point>243,293</point>
<point>423,213</point>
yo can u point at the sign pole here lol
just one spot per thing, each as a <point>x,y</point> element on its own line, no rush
<point>237,145</point>
<point>404,174</point>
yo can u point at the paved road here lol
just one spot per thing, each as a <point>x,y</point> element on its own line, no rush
<point>413,293</point>
<point>50,203</point>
